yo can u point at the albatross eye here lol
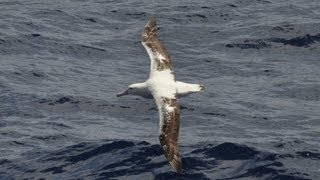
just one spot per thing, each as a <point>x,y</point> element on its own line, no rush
<point>130,88</point>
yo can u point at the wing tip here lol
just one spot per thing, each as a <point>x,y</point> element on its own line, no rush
<point>152,22</point>
<point>176,164</point>
<point>150,29</point>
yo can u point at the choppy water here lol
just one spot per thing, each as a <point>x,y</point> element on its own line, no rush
<point>62,62</point>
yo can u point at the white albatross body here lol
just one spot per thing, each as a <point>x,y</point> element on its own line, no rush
<point>165,90</point>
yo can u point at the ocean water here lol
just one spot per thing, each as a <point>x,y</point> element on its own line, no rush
<point>62,63</point>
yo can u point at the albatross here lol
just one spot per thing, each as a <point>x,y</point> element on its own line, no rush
<point>165,90</point>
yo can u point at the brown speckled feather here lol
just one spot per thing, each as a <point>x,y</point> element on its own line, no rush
<point>169,131</point>
<point>160,58</point>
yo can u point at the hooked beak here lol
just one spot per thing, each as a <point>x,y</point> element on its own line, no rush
<point>123,93</point>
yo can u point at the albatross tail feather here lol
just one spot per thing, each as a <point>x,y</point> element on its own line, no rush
<point>202,87</point>
<point>185,89</point>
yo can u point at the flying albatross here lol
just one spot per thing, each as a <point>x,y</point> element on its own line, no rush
<point>165,90</point>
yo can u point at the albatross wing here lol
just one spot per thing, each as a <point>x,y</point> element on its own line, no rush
<point>162,83</point>
<point>159,56</point>
<point>169,112</point>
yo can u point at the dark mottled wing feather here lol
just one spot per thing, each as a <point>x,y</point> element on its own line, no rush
<point>169,111</point>
<point>159,56</point>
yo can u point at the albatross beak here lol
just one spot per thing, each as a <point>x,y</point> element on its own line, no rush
<point>123,93</point>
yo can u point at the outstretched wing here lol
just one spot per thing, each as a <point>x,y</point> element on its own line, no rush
<point>169,112</point>
<point>159,56</point>
<point>164,93</point>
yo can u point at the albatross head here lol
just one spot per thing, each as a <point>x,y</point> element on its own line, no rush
<point>139,89</point>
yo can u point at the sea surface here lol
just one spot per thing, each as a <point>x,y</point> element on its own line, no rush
<point>63,62</point>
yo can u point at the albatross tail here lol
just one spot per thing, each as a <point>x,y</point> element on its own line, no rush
<point>185,89</point>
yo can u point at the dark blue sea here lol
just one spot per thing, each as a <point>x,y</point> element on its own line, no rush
<point>63,62</point>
